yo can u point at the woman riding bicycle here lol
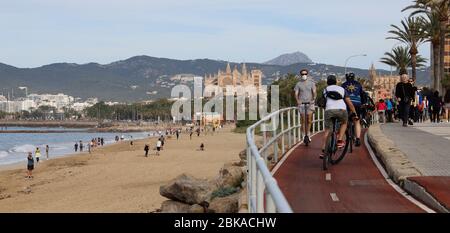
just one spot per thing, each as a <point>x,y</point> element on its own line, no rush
<point>336,108</point>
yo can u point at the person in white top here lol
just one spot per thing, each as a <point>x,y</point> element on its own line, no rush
<point>336,107</point>
<point>158,146</point>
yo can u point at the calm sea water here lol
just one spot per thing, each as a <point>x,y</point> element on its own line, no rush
<point>15,147</point>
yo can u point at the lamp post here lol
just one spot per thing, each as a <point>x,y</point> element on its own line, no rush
<point>346,61</point>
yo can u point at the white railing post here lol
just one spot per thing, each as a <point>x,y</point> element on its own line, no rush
<point>300,131</point>
<point>260,193</point>
<point>289,129</point>
<point>270,205</point>
<point>275,137</point>
<point>283,149</point>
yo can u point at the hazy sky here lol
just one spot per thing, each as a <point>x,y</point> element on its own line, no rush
<point>39,32</point>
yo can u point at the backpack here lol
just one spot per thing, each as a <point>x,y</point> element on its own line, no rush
<point>322,100</point>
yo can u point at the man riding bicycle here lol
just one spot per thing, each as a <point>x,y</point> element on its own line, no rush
<point>337,102</point>
<point>305,92</point>
<point>355,92</point>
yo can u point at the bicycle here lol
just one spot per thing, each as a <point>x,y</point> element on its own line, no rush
<point>332,157</point>
<point>306,139</point>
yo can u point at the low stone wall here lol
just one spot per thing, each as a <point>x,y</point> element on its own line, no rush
<point>397,165</point>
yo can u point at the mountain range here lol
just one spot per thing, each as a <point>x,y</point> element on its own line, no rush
<point>143,77</point>
<point>289,59</point>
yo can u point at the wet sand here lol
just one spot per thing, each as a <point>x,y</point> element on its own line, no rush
<point>115,178</point>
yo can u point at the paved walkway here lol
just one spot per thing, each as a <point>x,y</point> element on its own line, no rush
<point>426,145</point>
<point>353,186</point>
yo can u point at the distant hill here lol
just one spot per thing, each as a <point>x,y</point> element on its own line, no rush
<point>289,59</point>
<point>141,77</point>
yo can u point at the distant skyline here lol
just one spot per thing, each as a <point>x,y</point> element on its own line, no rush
<point>40,32</point>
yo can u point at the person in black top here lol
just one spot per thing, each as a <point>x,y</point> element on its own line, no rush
<point>435,107</point>
<point>146,149</point>
<point>30,165</point>
<point>404,91</point>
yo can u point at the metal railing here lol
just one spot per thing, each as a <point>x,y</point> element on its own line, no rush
<point>281,130</point>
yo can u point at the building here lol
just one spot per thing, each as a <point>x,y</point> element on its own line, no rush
<point>383,85</point>
<point>235,78</point>
<point>58,101</point>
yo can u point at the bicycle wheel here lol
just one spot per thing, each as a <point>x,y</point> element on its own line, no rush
<point>338,155</point>
<point>329,151</point>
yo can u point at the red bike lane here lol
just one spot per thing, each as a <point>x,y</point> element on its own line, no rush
<point>353,186</point>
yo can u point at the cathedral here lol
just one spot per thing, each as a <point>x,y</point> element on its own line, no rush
<point>384,86</point>
<point>235,78</point>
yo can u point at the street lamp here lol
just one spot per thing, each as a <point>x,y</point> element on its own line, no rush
<point>346,61</point>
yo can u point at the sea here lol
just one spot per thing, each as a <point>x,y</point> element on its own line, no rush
<point>14,147</point>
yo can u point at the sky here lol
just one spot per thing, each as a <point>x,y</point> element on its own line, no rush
<point>40,32</point>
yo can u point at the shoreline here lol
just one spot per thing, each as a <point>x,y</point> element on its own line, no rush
<point>116,178</point>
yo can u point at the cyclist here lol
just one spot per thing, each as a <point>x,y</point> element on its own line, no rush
<point>355,92</point>
<point>305,91</point>
<point>337,102</point>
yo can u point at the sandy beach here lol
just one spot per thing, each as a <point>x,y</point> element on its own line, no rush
<point>116,178</point>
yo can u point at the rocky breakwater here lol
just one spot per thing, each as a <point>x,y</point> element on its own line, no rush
<point>222,194</point>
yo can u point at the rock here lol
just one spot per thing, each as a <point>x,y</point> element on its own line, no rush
<point>243,155</point>
<point>243,201</point>
<point>174,207</point>
<point>230,176</point>
<point>187,189</point>
<point>228,204</point>
<point>196,209</point>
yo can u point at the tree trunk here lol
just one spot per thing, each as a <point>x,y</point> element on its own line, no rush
<point>435,64</point>
<point>437,85</point>
<point>414,65</point>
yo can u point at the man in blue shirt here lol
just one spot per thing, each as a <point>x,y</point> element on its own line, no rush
<point>355,91</point>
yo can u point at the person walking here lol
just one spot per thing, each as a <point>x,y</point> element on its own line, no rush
<point>75,147</point>
<point>47,148</point>
<point>89,146</point>
<point>146,149</point>
<point>404,92</point>
<point>30,165</point>
<point>178,134</point>
<point>158,146</point>
<point>190,134</point>
<point>305,92</point>
<point>81,146</point>
<point>447,105</point>
<point>381,109</point>
<point>435,107</point>
<point>102,141</point>
<point>389,110</point>
<point>37,154</point>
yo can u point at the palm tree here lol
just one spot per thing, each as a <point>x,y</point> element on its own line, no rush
<point>411,34</point>
<point>442,9</point>
<point>431,26</point>
<point>401,59</point>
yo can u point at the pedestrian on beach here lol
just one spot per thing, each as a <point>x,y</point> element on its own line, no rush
<point>131,142</point>
<point>198,132</point>
<point>202,147</point>
<point>47,148</point>
<point>190,134</point>
<point>178,134</point>
<point>102,141</point>
<point>37,154</point>
<point>81,146</point>
<point>158,146</point>
<point>30,165</point>
<point>89,147</point>
<point>146,148</point>
<point>76,146</point>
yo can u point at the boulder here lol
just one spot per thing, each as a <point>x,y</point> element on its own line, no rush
<point>196,209</point>
<point>187,189</point>
<point>243,155</point>
<point>174,207</point>
<point>230,176</point>
<point>225,205</point>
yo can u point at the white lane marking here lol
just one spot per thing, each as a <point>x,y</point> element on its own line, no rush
<point>392,183</point>
<point>334,197</point>
<point>328,177</point>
